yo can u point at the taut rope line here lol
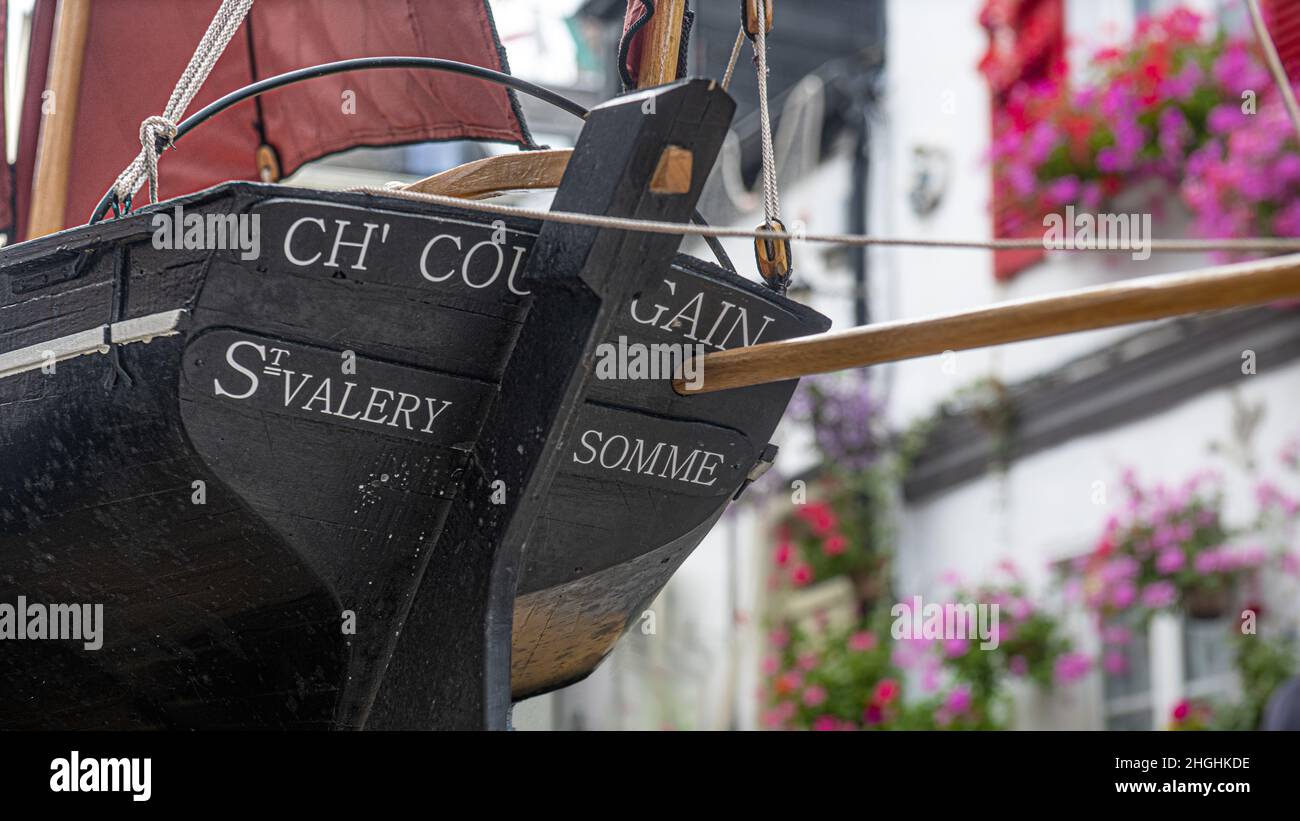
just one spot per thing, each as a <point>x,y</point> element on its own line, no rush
<point>1242,245</point>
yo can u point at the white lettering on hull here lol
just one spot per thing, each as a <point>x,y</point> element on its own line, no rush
<point>325,395</point>
<point>659,459</point>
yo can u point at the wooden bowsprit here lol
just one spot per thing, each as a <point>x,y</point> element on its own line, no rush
<point>451,665</point>
<point>1136,300</point>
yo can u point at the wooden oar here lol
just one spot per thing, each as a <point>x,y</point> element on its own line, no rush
<point>1136,300</point>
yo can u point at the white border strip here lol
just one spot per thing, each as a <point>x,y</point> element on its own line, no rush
<point>92,341</point>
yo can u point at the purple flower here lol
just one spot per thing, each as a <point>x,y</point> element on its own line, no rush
<point>1207,562</point>
<point>1064,191</point>
<point>1170,560</point>
<point>1225,118</point>
<point>1123,594</point>
<point>1159,594</point>
<point>958,701</point>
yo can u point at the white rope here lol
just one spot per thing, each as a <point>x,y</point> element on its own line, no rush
<point>1275,64</point>
<point>1241,245</point>
<point>771,203</point>
<point>735,55</point>
<point>145,165</point>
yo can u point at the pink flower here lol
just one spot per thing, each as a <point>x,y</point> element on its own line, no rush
<point>955,648</point>
<point>886,690</point>
<point>862,641</point>
<point>814,695</point>
<point>808,661</point>
<point>770,665</point>
<point>1114,662</point>
<point>801,575</point>
<point>1181,710</point>
<point>873,715</point>
<point>825,724</point>
<point>1018,666</point>
<point>1071,667</point>
<point>779,637</point>
<point>783,552</point>
<point>834,545</point>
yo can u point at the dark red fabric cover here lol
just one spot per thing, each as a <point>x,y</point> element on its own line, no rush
<point>635,21</point>
<point>137,49</point>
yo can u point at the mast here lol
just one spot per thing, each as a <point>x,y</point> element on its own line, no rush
<point>661,49</point>
<point>54,150</point>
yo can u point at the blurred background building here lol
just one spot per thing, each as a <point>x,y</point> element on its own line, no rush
<point>995,474</point>
<point>889,113</point>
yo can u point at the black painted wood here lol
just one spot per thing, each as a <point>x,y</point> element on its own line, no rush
<point>579,277</point>
<point>228,614</point>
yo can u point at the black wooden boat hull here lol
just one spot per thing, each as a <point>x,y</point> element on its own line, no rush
<point>252,495</point>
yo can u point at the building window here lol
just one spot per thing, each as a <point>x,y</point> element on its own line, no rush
<point>1129,703</point>
<point>1207,658</point>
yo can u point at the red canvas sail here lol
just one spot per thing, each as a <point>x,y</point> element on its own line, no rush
<point>137,49</point>
<point>6,173</point>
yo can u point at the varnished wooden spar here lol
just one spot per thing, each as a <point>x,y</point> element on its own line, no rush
<point>662,44</point>
<point>54,150</point>
<point>527,170</point>
<point>1137,300</point>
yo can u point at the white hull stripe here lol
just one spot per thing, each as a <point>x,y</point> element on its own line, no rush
<point>94,340</point>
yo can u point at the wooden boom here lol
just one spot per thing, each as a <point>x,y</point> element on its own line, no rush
<point>1136,300</point>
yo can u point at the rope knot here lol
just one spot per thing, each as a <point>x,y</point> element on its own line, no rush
<point>163,126</point>
<point>153,128</point>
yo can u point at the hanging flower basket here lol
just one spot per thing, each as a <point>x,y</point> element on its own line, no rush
<point>1207,602</point>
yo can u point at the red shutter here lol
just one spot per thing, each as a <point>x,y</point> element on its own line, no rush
<point>1026,44</point>
<point>1283,17</point>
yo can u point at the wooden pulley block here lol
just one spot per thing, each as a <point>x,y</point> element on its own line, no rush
<point>774,257</point>
<point>749,17</point>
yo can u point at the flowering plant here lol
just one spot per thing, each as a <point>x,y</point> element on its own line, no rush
<point>844,528</point>
<point>850,679</point>
<point>1168,548</point>
<point>1031,642</point>
<point>1194,113</point>
<point>841,535</point>
<point>1190,715</point>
